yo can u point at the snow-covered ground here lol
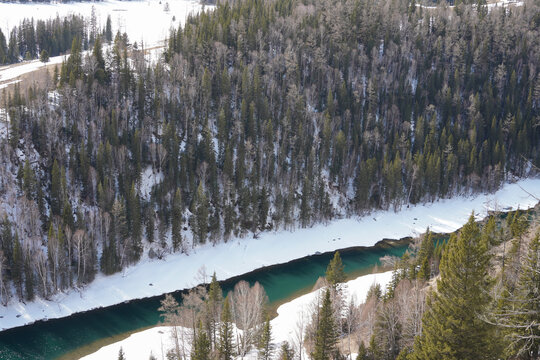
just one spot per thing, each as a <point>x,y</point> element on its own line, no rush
<point>501,3</point>
<point>239,256</point>
<point>143,21</point>
<point>157,340</point>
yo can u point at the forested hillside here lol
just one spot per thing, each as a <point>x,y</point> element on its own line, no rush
<point>263,115</point>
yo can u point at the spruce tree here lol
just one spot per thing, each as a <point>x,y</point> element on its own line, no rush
<point>265,346</point>
<point>215,298</point>
<point>424,256</point>
<point>56,189</point>
<point>452,327</point>
<point>334,272</point>
<point>326,336</point>
<point>362,352</point>
<point>176,221</point>
<point>201,345</point>
<point>286,352</point>
<point>226,340</point>
<point>201,215</point>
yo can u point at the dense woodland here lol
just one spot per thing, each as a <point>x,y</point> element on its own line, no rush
<point>262,115</point>
<point>474,295</point>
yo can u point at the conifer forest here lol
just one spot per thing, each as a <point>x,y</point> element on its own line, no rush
<point>272,115</point>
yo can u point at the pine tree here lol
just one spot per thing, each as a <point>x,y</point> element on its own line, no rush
<point>200,210</point>
<point>326,337</point>
<point>452,327</point>
<point>362,352</point>
<point>176,221</point>
<point>121,355</point>
<point>424,256</point>
<point>286,352</point>
<point>215,298</point>
<point>56,189</point>
<point>201,345</point>
<point>108,29</point>
<point>265,346</point>
<point>226,340</point>
<point>334,272</point>
<point>44,56</point>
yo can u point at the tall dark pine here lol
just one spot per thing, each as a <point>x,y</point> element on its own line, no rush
<point>452,325</point>
<point>326,338</point>
<point>226,340</point>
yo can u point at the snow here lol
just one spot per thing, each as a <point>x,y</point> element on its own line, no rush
<point>239,256</point>
<point>157,340</point>
<point>8,83</point>
<point>141,20</point>
<point>149,178</point>
<point>501,3</point>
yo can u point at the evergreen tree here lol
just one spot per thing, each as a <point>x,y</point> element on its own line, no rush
<point>44,56</point>
<point>176,221</point>
<point>215,298</point>
<point>200,210</point>
<point>326,337</point>
<point>226,340</point>
<point>286,352</point>
<point>334,272</point>
<point>56,189</point>
<point>3,49</point>
<point>265,345</point>
<point>201,345</point>
<point>108,29</point>
<point>424,256</point>
<point>452,326</point>
<point>121,355</point>
<point>362,352</point>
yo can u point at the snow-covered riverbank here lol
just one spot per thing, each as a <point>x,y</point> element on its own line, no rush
<point>157,340</point>
<point>239,256</point>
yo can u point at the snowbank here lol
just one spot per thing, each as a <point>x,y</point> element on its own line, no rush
<point>158,340</point>
<point>239,256</point>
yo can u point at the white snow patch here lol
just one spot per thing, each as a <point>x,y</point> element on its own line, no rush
<point>149,178</point>
<point>239,256</point>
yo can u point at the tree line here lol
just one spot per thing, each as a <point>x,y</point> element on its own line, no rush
<point>260,116</point>
<point>45,38</point>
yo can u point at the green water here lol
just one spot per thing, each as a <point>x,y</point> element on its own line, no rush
<point>83,333</point>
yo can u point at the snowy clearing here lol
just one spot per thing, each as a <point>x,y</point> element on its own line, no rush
<point>158,340</point>
<point>239,256</point>
<point>142,20</point>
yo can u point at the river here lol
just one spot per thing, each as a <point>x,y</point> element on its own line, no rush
<point>83,333</point>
